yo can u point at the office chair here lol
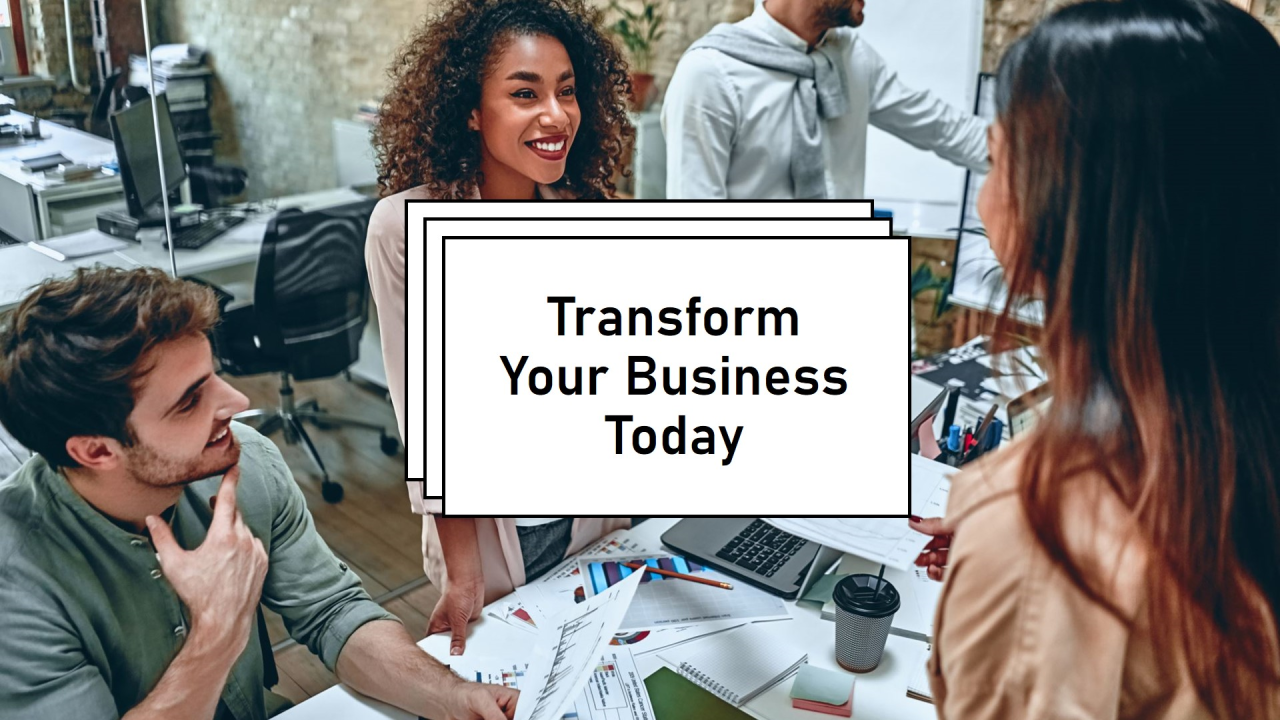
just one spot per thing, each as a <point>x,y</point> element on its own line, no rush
<point>102,107</point>
<point>310,306</point>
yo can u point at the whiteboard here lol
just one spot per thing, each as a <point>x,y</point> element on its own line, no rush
<point>978,280</point>
<point>933,45</point>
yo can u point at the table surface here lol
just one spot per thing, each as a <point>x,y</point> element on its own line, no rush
<point>21,267</point>
<point>878,695</point>
<point>78,146</point>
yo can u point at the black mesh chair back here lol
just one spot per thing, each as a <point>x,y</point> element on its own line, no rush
<point>311,294</point>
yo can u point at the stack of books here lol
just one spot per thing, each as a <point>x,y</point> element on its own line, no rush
<point>180,74</point>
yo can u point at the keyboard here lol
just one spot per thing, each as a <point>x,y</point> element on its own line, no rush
<point>761,548</point>
<point>196,237</point>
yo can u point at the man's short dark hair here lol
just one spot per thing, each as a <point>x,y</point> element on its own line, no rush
<point>72,353</point>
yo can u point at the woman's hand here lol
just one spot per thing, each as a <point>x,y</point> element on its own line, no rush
<point>462,602</point>
<point>934,555</point>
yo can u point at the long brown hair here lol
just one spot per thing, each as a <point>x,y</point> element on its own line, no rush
<point>1143,141</point>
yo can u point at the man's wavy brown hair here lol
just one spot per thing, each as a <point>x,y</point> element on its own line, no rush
<point>422,136</point>
<point>75,350</point>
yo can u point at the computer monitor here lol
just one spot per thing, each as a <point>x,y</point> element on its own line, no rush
<point>135,138</point>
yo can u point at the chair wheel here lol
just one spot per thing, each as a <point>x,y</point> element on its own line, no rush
<point>320,424</point>
<point>331,491</point>
<point>389,446</point>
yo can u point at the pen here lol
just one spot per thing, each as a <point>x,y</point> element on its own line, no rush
<point>680,576</point>
<point>50,252</point>
<point>997,433</point>
<point>982,437</point>
<point>951,456</point>
<point>952,400</point>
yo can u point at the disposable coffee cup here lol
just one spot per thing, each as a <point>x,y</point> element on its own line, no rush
<point>863,618</point>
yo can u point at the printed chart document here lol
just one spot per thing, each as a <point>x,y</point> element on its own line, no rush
<point>669,602</point>
<point>884,540</point>
<point>615,543</point>
<point>569,649</point>
<point>615,689</point>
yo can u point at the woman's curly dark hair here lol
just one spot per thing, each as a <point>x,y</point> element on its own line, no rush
<point>422,137</point>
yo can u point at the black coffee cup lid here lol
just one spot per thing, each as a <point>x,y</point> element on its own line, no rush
<point>857,594</point>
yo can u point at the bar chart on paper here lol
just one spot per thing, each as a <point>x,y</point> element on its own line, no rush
<point>615,543</point>
<point>671,602</point>
<point>606,574</point>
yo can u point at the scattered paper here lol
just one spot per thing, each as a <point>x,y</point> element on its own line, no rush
<point>567,651</point>
<point>615,690</point>
<point>672,602</point>
<point>884,540</point>
<point>615,543</point>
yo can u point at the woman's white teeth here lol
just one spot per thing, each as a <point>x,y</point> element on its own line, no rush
<point>549,147</point>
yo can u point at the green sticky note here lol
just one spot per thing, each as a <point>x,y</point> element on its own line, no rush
<point>825,686</point>
<point>676,698</point>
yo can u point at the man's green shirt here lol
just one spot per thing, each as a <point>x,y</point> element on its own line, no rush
<point>88,622</point>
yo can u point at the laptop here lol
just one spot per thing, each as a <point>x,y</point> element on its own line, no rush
<point>773,560</point>
<point>753,551</point>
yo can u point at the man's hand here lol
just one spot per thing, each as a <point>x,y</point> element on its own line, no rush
<point>934,556</point>
<point>475,701</point>
<point>462,602</point>
<point>221,581</point>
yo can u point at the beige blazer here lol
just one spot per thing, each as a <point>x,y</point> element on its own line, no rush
<point>500,553</point>
<point>1015,639</point>
<point>384,256</point>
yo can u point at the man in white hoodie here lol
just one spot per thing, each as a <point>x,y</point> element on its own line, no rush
<point>777,106</point>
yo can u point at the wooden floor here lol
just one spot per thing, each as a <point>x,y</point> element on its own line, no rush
<point>372,529</point>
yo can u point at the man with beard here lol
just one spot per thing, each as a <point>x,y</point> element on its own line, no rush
<point>777,106</point>
<point>136,544</point>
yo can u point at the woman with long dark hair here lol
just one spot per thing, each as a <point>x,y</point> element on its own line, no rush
<point>1123,560</point>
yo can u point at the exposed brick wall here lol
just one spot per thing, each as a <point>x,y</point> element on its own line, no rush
<point>286,68</point>
<point>46,36</point>
<point>1008,20</point>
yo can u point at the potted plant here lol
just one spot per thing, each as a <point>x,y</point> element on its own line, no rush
<point>639,32</point>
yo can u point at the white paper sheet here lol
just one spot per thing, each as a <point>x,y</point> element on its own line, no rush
<point>884,540</point>
<point>567,651</point>
<point>614,691</point>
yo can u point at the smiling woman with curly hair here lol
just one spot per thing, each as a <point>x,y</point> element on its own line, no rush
<point>505,99</point>
<point>492,99</point>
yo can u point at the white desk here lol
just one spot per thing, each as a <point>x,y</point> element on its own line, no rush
<point>26,198</point>
<point>878,695</point>
<point>230,260</point>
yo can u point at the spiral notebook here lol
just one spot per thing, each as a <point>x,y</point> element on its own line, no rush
<point>736,665</point>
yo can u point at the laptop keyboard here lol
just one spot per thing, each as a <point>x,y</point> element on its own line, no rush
<point>761,548</point>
